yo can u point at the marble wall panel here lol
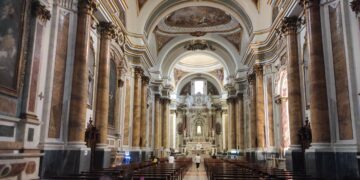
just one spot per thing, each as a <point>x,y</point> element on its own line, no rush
<point>8,105</point>
<point>59,75</point>
<point>340,73</point>
<point>35,67</point>
<point>127,114</point>
<point>270,112</point>
<point>112,94</point>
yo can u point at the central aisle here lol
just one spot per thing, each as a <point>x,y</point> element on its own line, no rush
<point>194,174</point>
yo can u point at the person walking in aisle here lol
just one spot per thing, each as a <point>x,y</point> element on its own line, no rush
<point>197,161</point>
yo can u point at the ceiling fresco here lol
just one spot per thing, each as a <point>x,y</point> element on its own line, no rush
<point>197,16</point>
<point>198,21</point>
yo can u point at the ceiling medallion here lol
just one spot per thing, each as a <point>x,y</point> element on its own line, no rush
<point>198,33</point>
<point>199,45</point>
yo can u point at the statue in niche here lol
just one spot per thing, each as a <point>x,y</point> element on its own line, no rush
<point>305,136</point>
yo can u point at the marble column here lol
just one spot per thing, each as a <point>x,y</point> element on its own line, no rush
<point>240,121</point>
<point>319,112</point>
<point>102,94</point>
<point>144,124</point>
<point>260,114</point>
<point>252,121</point>
<point>157,123</point>
<point>232,123</point>
<point>138,72</point>
<point>165,123</point>
<point>289,28</point>
<point>78,103</point>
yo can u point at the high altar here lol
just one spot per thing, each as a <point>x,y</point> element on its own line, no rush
<point>198,115</point>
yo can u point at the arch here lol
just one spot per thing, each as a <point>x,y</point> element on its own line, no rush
<point>209,77</point>
<point>228,56</point>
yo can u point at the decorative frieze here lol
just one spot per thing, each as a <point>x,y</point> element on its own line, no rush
<point>199,45</point>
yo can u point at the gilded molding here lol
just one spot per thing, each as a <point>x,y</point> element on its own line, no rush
<point>355,6</point>
<point>87,6</point>
<point>40,11</point>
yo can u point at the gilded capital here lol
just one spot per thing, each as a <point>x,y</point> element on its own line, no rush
<point>138,72</point>
<point>145,80</point>
<point>107,29</point>
<point>258,69</point>
<point>290,24</point>
<point>40,11</point>
<point>355,6</point>
<point>87,6</point>
<point>251,78</point>
<point>230,100</point>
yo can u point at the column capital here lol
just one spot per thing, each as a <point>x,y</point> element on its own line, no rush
<point>138,71</point>
<point>308,3</point>
<point>290,24</point>
<point>87,6</point>
<point>145,80</point>
<point>251,78</point>
<point>230,99</point>
<point>258,69</point>
<point>355,6</point>
<point>165,100</point>
<point>107,29</point>
<point>40,11</point>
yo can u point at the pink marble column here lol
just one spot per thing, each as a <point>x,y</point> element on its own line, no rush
<point>289,28</point>
<point>157,123</point>
<point>318,96</point>
<point>107,30</point>
<point>260,113</point>
<point>143,124</point>
<point>78,103</point>
<point>138,72</point>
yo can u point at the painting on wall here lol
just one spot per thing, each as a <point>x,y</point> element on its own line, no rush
<point>11,32</point>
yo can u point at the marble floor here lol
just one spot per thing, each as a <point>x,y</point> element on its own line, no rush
<point>196,174</point>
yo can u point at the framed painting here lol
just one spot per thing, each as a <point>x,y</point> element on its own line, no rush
<point>12,20</point>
